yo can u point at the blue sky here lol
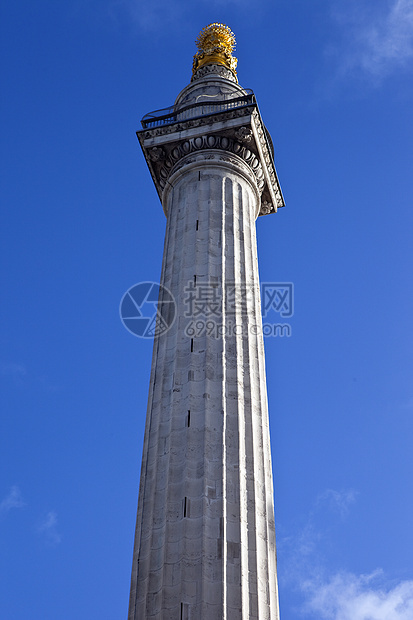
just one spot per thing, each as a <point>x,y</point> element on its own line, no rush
<point>81,223</point>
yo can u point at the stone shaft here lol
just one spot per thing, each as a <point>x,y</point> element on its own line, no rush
<point>205,535</point>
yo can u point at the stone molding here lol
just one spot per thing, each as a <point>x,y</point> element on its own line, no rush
<point>211,83</point>
<point>268,161</point>
<point>226,145</point>
<point>196,122</point>
<point>208,70</point>
<point>199,159</point>
<point>163,146</point>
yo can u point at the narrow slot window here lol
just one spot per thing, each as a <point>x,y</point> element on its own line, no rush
<point>192,345</point>
<point>194,280</point>
<point>197,224</point>
<point>185,506</point>
<point>189,419</point>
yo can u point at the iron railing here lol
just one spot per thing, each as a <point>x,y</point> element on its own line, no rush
<point>170,115</point>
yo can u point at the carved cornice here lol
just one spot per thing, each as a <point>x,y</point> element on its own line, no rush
<point>239,131</point>
<point>274,184</point>
<point>210,142</point>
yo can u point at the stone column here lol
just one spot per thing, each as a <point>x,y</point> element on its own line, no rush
<point>205,539</point>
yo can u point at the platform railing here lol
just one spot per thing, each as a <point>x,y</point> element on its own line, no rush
<point>170,115</point>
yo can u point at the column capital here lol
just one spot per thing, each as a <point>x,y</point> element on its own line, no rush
<point>222,161</point>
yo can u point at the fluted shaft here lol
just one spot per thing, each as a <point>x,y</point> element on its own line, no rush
<point>205,541</point>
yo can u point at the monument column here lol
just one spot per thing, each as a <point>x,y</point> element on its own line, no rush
<point>205,539</point>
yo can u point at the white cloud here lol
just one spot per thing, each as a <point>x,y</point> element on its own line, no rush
<point>13,371</point>
<point>13,500</point>
<point>322,593</point>
<point>302,551</point>
<point>48,528</point>
<point>338,501</point>
<point>378,37</point>
<point>346,596</point>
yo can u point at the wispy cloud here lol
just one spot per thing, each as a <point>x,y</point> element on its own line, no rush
<point>377,37</point>
<point>14,499</point>
<point>13,372</point>
<point>338,501</point>
<point>19,376</point>
<point>148,16</point>
<point>324,594</point>
<point>302,549</point>
<point>158,15</point>
<point>346,596</point>
<point>48,528</point>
